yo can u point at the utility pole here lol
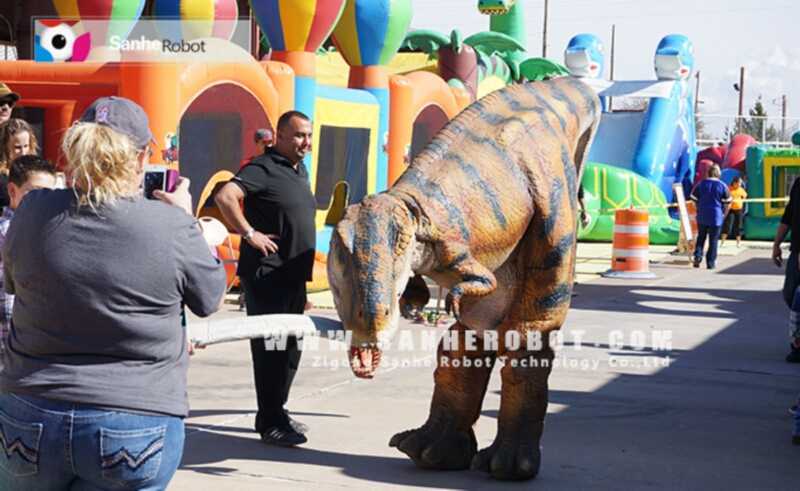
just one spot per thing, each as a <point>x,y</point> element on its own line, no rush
<point>783,117</point>
<point>697,93</point>
<point>613,49</point>
<point>741,100</point>
<point>544,29</point>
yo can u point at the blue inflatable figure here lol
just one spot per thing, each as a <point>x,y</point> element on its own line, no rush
<point>584,58</point>
<point>667,148</point>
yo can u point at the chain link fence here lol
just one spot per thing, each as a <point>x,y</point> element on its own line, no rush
<point>770,130</point>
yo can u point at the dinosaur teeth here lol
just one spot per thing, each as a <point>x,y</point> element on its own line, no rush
<point>493,10</point>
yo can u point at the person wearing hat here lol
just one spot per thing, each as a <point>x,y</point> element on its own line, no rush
<point>263,140</point>
<point>8,99</point>
<point>93,391</point>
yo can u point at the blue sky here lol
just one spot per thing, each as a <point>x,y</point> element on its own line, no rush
<point>761,35</point>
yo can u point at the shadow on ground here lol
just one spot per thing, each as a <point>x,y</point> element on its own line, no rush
<point>715,417</point>
<point>373,469</point>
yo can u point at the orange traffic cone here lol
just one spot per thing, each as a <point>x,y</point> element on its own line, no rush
<point>631,246</point>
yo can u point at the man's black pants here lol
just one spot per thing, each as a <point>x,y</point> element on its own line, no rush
<point>273,369</point>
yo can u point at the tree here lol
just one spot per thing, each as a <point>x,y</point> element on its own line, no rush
<point>700,129</point>
<point>755,125</point>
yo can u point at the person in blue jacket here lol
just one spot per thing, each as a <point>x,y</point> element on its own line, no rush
<point>713,199</point>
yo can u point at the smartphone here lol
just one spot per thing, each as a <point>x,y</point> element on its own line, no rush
<point>159,178</point>
<point>172,180</point>
<point>154,178</point>
<point>61,180</point>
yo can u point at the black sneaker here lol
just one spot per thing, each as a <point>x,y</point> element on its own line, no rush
<point>283,436</point>
<point>793,356</point>
<point>695,263</point>
<point>297,426</point>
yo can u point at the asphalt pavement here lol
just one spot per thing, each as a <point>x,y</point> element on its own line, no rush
<point>673,383</point>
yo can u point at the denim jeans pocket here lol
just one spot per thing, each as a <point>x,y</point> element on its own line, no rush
<point>130,458</point>
<point>20,441</point>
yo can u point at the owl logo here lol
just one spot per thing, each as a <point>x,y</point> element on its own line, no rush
<point>56,41</point>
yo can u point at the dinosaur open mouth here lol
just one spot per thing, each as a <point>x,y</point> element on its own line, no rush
<point>493,10</point>
<point>364,361</point>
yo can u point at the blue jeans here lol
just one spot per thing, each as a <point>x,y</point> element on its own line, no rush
<point>796,417</point>
<point>712,233</point>
<point>791,294</point>
<point>55,445</point>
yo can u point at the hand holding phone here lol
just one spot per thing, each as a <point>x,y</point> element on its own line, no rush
<point>155,179</point>
<point>179,196</point>
<point>158,178</point>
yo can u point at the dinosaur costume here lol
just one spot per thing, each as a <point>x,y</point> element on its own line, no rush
<point>487,210</point>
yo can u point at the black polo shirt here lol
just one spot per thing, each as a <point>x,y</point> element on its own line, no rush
<point>791,216</point>
<point>278,200</point>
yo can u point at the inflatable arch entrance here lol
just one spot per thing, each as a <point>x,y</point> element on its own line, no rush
<point>214,109</point>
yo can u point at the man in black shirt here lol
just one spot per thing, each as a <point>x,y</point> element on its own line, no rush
<point>276,259</point>
<point>791,222</point>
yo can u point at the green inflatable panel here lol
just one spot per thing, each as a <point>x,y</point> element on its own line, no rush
<point>770,174</point>
<point>607,188</point>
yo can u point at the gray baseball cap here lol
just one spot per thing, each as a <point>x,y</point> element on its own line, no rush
<point>262,134</point>
<point>121,115</point>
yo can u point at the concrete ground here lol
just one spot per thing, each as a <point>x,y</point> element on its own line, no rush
<point>627,410</point>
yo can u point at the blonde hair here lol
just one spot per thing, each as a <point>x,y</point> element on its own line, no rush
<point>101,162</point>
<point>714,171</point>
<point>8,130</point>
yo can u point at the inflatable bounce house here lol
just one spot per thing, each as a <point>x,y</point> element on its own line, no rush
<point>730,157</point>
<point>206,110</point>
<point>638,154</point>
<point>371,114</point>
<point>770,174</point>
<point>373,109</point>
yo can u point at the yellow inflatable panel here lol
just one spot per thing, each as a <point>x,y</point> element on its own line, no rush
<point>332,70</point>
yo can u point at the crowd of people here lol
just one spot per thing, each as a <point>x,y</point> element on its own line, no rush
<point>102,362</point>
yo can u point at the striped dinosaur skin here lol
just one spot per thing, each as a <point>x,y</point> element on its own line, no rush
<point>487,210</point>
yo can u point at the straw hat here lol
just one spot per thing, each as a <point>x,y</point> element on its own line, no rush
<point>6,92</point>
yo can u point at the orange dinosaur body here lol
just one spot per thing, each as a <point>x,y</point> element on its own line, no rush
<point>487,210</point>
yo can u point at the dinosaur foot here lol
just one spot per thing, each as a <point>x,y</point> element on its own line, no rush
<point>437,447</point>
<point>509,460</point>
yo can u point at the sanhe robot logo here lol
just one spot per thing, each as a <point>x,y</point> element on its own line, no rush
<point>56,41</point>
